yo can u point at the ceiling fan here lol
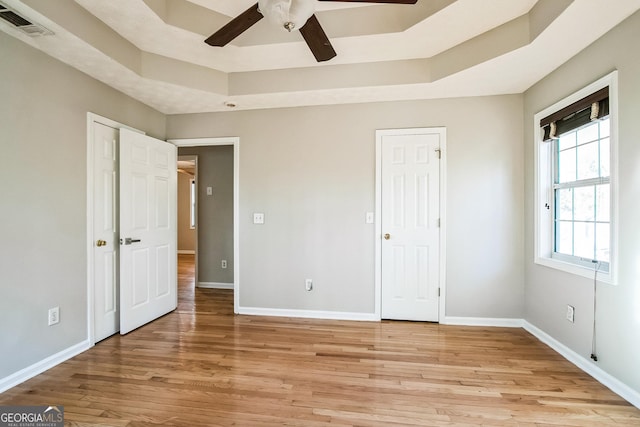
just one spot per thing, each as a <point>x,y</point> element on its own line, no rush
<point>291,15</point>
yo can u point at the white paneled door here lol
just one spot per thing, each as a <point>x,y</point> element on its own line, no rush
<point>105,246</point>
<point>410,218</point>
<point>148,193</point>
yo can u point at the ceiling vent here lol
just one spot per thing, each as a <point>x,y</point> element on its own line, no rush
<point>22,23</point>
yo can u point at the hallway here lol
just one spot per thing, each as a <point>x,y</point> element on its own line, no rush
<point>199,300</point>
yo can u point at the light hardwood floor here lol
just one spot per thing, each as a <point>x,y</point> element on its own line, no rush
<point>204,366</point>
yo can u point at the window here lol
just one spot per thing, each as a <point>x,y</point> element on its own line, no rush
<point>192,198</point>
<point>581,196</point>
<point>575,182</point>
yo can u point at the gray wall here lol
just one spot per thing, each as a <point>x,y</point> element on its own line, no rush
<point>43,138</point>
<point>311,171</point>
<point>548,291</point>
<point>215,212</point>
<point>186,234</point>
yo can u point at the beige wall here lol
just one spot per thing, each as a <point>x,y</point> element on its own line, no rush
<point>215,212</point>
<point>43,194</point>
<point>549,291</point>
<point>311,171</point>
<point>186,234</point>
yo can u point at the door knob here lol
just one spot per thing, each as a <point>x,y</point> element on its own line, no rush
<point>387,236</point>
<point>101,243</point>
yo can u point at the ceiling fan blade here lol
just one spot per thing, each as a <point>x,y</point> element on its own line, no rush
<point>237,26</point>
<point>379,1</point>
<point>317,40</point>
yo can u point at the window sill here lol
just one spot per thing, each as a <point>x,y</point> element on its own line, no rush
<point>603,277</point>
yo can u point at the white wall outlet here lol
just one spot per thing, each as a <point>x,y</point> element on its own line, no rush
<point>571,311</point>
<point>54,315</point>
<point>209,191</point>
<point>258,218</point>
<point>308,284</point>
<point>223,263</point>
<point>369,218</point>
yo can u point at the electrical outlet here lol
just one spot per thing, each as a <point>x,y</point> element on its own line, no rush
<point>308,284</point>
<point>54,315</point>
<point>258,218</point>
<point>224,263</point>
<point>571,311</point>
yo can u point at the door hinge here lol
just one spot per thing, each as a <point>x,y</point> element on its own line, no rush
<point>438,292</point>
<point>438,222</point>
<point>439,153</point>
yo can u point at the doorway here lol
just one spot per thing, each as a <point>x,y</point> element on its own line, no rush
<point>410,207</point>
<point>208,192</point>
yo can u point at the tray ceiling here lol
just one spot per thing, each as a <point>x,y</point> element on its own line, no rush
<point>154,50</point>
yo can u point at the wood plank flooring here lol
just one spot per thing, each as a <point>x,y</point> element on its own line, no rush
<point>203,366</point>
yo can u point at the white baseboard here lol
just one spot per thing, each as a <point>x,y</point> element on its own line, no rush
<point>588,366</point>
<point>43,365</point>
<point>215,285</point>
<point>186,252</point>
<point>483,321</point>
<point>308,314</point>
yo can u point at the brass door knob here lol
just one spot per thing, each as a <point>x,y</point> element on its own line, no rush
<point>101,243</point>
<point>387,236</point>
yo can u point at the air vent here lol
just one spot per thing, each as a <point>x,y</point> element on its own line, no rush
<point>23,24</point>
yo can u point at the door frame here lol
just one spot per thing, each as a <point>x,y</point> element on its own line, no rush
<point>380,133</point>
<point>91,119</point>
<point>235,142</point>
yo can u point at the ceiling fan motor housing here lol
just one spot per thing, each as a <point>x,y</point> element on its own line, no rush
<point>288,14</point>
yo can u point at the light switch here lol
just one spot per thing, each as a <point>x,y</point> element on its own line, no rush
<point>369,218</point>
<point>258,218</point>
<point>209,191</point>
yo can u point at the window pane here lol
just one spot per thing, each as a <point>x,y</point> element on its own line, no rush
<point>603,239</point>
<point>588,162</point>
<point>584,206</point>
<point>583,239</point>
<point>564,237</point>
<point>604,157</point>
<point>604,128</point>
<point>588,133</point>
<point>564,204</point>
<point>567,165</point>
<point>567,140</point>
<point>603,203</point>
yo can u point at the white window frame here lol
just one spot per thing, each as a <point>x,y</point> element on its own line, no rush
<point>544,209</point>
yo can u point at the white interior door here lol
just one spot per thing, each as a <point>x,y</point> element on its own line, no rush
<point>148,229</point>
<point>410,218</point>
<point>105,232</point>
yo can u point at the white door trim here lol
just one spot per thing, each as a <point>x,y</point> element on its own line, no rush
<point>91,119</point>
<point>235,141</point>
<point>378,216</point>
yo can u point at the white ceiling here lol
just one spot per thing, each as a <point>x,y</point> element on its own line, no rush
<point>154,50</point>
